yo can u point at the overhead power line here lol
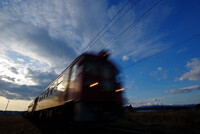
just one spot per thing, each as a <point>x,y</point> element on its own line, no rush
<point>106,25</point>
<point>162,51</point>
<point>115,23</point>
<point>147,11</point>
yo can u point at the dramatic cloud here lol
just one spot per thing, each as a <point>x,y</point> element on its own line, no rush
<point>29,73</point>
<point>39,77</point>
<point>183,90</point>
<point>39,39</point>
<point>30,85</point>
<point>194,73</point>
<point>53,32</point>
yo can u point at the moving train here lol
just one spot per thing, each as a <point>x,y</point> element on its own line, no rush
<point>89,89</point>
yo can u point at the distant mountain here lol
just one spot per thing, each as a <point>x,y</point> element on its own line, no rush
<point>166,107</point>
<point>10,112</point>
<point>161,107</point>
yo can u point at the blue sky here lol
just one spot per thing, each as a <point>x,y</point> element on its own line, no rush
<point>39,39</point>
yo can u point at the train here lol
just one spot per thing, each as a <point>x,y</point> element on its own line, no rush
<point>89,89</point>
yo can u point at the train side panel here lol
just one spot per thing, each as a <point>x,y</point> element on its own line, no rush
<point>87,89</point>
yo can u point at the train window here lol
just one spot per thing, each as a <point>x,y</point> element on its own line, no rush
<point>73,73</point>
<point>109,74</point>
<point>49,92</point>
<point>91,67</point>
<point>63,81</point>
<point>41,97</point>
<point>108,85</point>
<point>108,71</point>
<point>52,89</point>
<point>76,70</point>
<point>46,94</point>
<point>60,79</point>
<point>79,70</point>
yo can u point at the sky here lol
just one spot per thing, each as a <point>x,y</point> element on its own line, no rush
<point>156,49</point>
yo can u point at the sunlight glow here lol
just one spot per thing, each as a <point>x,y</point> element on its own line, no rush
<point>20,79</point>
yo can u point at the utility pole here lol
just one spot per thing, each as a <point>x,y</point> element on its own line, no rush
<point>7,105</point>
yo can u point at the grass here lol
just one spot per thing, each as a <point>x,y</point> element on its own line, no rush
<point>165,122</point>
<point>16,124</point>
<point>183,121</point>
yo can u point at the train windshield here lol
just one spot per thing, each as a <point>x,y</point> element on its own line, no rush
<point>109,73</point>
<point>98,68</point>
<point>92,67</point>
<point>101,71</point>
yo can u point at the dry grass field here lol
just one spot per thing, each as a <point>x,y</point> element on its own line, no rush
<point>16,124</point>
<point>165,122</point>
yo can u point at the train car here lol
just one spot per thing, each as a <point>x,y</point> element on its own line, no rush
<point>88,90</point>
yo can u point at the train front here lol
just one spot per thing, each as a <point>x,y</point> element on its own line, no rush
<point>101,95</point>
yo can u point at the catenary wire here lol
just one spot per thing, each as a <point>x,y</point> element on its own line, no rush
<point>162,51</point>
<point>115,23</point>
<point>147,11</point>
<point>106,25</point>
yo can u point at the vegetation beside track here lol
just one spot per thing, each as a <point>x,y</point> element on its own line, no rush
<point>166,122</point>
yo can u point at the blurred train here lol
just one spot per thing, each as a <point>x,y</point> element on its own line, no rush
<point>89,89</point>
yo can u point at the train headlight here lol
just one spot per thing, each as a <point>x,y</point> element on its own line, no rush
<point>118,90</point>
<point>94,84</point>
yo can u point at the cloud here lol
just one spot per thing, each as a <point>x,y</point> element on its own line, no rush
<point>159,73</point>
<point>183,90</point>
<point>194,71</point>
<point>20,91</point>
<point>38,40</point>
<point>57,36</point>
<point>37,44</point>
<point>28,85</point>
<point>9,94</point>
<point>139,42</point>
<point>159,68</point>
<point>145,102</point>
<point>14,70</point>
<point>53,32</point>
<point>20,59</point>
<point>125,58</point>
<point>39,77</point>
<point>182,50</point>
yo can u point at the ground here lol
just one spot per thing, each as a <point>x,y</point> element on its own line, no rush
<point>180,121</point>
